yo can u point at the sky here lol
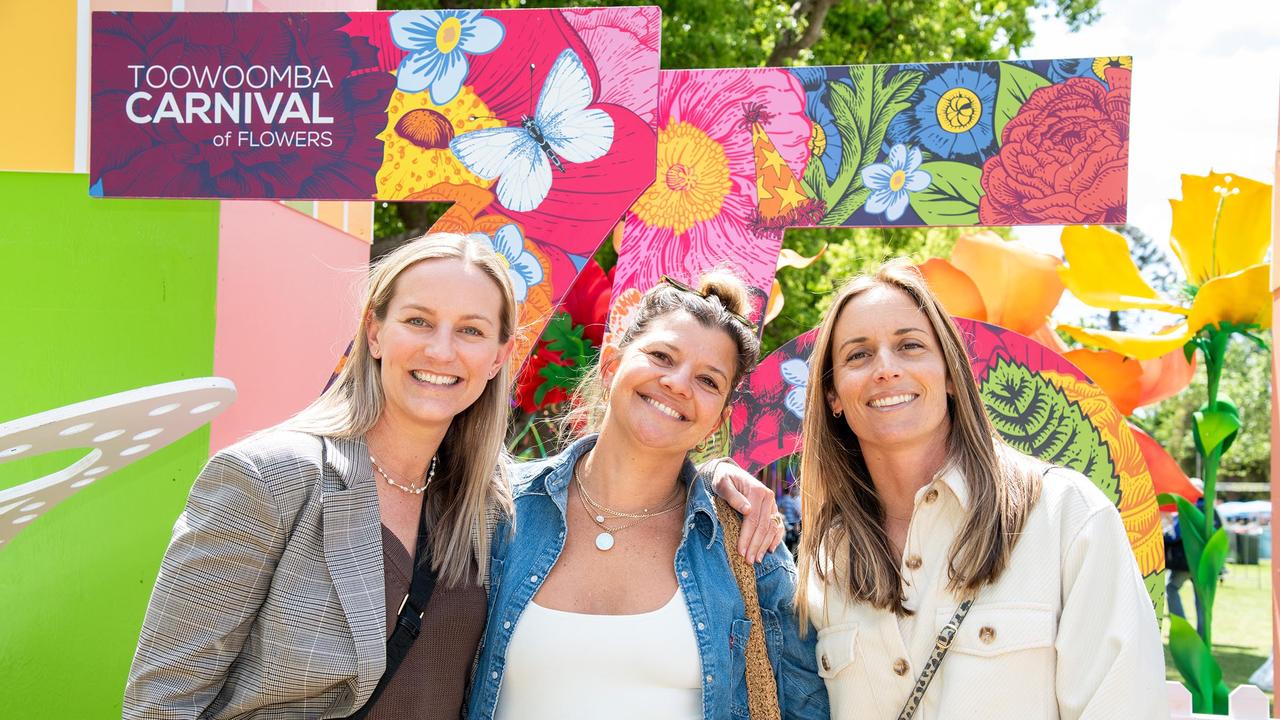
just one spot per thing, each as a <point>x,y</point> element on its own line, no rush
<point>1206,92</point>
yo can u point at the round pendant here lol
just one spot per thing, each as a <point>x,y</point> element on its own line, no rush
<point>604,541</point>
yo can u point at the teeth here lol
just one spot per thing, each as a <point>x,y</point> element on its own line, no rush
<point>664,409</point>
<point>434,379</point>
<point>891,401</point>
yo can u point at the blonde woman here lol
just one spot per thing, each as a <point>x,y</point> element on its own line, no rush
<point>918,517</point>
<point>615,598</point>
<point>287,569</point>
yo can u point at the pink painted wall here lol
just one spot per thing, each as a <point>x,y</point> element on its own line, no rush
<point>287,288</point>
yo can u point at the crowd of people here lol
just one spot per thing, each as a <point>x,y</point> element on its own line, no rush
<point>379,555</point>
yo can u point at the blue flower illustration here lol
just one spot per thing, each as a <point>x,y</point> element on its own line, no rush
<point>825,143</point>
<point>891,182</point>
<point>522,266</point>
<point>952,114</point>
<point>438,43</point>
<point>796,373</point>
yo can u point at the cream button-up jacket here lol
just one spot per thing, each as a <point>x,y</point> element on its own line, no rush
<point>1068,631</point>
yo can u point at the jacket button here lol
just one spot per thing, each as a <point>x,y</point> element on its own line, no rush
<point>684,573</point>
<point>987,634</point>
<point>506,625</point>
<point>533,578</point>
<point>494,674</point>
<point>826,664</point>
<point>900,666</point>
<point>709,679</point>
<point>932,495</point>
<point>914,562</point>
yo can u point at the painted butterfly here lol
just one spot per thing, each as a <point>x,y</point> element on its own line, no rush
<point>562,129</point>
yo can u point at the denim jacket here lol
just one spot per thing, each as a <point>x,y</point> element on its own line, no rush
<point>522,561</point>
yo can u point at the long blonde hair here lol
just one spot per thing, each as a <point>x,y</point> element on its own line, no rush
<point>841,509</point>
<point>720,300</point>
<point>470,480</point>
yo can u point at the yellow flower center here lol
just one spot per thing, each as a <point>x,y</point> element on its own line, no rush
<point>1102,63</point>
<point>897,180</point>
<point>414,159</point>
<point>818,143</point>
<point>448,35</point>
<point>693,180</point>
<point>959,109</point>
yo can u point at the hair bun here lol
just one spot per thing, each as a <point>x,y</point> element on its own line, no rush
<point>728,288</point>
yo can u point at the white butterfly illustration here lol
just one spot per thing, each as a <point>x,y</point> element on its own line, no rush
<point>796,373</point>
<point>562,129</point>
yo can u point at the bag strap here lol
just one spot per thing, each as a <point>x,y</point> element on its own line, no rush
<point>409,623</point>
<point>940,647</point>
<point>762,687</point>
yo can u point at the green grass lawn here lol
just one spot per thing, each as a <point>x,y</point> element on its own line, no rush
<point>1241,623</point>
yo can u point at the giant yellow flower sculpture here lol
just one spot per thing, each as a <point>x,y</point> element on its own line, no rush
<point>1221,232</point>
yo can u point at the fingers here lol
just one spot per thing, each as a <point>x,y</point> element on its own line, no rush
<point>748,547</point>
<point>764,535</point>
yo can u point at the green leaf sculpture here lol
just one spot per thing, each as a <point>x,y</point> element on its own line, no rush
<point>1036,417</point>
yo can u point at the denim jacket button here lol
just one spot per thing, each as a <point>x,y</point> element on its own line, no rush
<point>506,625</point>
<point>533,578</point>
<point>494,674</point>
<point>709,679</point>
<point>684,573</point>
<point>701,626</point>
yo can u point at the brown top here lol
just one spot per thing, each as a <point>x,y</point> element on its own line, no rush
<point>431,683</point>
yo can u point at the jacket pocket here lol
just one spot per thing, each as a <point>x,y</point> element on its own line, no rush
<point>999,628</point>
<point>739,633</point>
<point>1002,663</point>
<point>836,649</point>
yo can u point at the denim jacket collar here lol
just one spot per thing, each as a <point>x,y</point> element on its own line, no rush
<point>552,476</point>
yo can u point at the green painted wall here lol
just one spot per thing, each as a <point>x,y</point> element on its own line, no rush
<point>96,297</point>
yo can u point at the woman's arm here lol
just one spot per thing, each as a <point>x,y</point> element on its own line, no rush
<point>1110,660</point>
<point>802,694</point>
<point>753,500</point>
<point>214,577</point>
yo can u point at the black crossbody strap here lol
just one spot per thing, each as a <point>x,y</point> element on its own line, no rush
<point>409,623</point>
<point>940,647</point>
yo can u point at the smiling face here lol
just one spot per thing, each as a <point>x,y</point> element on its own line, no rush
<point>889,376</point>
<point>438,344</point>
<point>668,388</point>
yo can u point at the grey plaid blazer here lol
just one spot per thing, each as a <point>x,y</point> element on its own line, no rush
<point>270,599</point>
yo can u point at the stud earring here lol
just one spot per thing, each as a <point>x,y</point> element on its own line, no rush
<point>837,413</point>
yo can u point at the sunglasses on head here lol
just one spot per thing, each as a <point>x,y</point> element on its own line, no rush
<point>672,282</point>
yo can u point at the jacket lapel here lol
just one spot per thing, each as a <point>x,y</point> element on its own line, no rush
<point>353,553</point>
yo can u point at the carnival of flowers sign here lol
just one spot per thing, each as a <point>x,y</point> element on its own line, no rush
<point>744,154</point>
<point>508,115</point>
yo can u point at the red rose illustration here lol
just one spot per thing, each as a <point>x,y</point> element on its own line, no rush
<point>1064,157</point>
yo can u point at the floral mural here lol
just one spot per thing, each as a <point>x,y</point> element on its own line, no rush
<point>957,144</point>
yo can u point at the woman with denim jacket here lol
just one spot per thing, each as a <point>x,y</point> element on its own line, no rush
<point>614,598</point>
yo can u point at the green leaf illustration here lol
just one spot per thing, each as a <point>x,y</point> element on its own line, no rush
<point>952,196</point>
<point>862,109</point>
<point>1036,417</point>
<point>1210,566</point>
<point>1016,85</point>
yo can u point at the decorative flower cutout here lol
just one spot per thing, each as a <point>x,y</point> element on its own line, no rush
<point>522,266</point>
<point>438,43</point>
<point>796,373</point>
<point>891,182</point>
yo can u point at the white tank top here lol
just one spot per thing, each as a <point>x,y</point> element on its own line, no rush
<point>565,665</point>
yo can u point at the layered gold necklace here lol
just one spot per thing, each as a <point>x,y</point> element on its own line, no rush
<point>601,515</point>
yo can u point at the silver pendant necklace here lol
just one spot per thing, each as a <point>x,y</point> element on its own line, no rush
<point>596,511</point>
